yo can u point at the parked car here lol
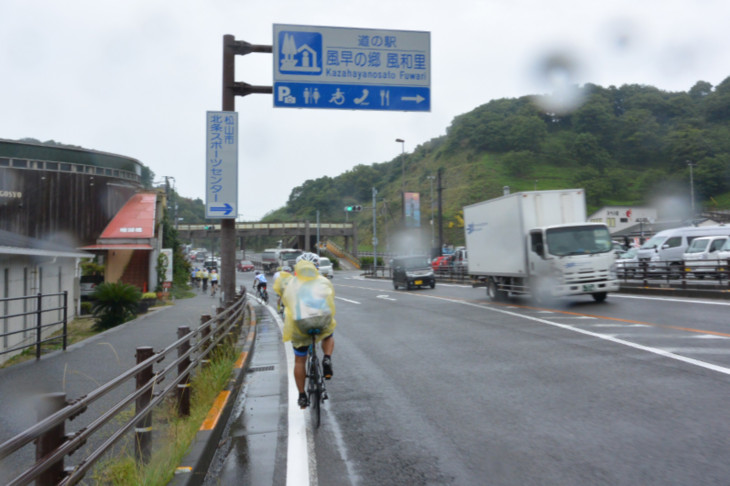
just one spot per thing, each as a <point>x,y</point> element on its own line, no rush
<point>702,255</point>
<point>87,284</point>
<point>245,266</point>
<point>325,267</point>
<point>412,271</point>
<point>440,263</point>
<point>628,263</point>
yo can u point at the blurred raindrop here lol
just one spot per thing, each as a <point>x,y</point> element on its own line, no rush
<point>557,73</point>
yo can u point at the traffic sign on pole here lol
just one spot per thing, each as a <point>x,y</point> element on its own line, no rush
<point>221,168</point>
<point>351,69</point>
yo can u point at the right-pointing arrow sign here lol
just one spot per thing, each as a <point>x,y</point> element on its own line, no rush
<point>417,98</point>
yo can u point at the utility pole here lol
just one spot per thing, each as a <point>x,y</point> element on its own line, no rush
<point>441,215</point>
<point>231,89</point>
<point>375,235</point>
<point>691,188</point>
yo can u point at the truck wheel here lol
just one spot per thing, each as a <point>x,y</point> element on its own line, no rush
<point>600,296</point>
<point>433,284</point>
<point>493,292</point>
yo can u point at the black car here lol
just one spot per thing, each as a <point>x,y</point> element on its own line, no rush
<point>412,271</point>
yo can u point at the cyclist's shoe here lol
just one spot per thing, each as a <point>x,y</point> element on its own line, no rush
<point>327,367</point>
<point>303,401</point>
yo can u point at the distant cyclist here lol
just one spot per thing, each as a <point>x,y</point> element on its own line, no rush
<point>281,280</point>
<point>259,283</point>
<point>213,282</point>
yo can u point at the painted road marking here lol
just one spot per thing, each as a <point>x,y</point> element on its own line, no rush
<point>215,411</point>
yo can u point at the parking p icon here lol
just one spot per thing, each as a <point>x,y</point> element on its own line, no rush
<point>283,95</point>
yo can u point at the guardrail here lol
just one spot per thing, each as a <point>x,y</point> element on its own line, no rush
<point>39,327</point>
<point>706,274</point>
<point>53,445</point>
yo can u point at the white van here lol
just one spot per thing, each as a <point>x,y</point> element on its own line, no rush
<point>665,250</point>
<point>723,255</point>
<point>701,258</point>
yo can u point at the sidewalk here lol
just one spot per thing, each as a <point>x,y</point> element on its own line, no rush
<point>85,366</point>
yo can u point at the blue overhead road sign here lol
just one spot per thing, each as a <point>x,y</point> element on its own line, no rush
<point>352,69</point>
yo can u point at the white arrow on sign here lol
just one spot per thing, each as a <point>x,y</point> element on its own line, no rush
<point>417,98</point>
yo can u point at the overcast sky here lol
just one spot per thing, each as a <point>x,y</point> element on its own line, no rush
<point>135,77</point>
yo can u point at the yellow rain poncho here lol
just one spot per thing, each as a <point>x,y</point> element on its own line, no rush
<point>281,282</point>
<point>309,302</point>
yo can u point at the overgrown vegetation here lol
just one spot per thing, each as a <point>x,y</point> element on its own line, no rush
<point>174,434</point>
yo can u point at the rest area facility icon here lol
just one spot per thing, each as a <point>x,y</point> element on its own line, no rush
<point>301,53</point>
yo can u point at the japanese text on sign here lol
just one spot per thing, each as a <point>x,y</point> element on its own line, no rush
<point>221,175</point>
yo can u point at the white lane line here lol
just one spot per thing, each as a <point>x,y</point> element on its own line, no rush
<point>649,349</point>
<point>660,352</point>
<point>347,300</point>
<point>385,297</point>
<point>297,454</point>
<point>670,299</point>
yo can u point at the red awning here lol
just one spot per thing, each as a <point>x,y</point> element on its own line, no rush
<point>118,246</point>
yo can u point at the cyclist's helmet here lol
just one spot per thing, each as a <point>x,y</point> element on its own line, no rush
<point>310,257</point>
<point>287,269</point>
<point>257,272</point>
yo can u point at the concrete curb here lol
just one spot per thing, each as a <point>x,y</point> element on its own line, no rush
<point>194,466</point>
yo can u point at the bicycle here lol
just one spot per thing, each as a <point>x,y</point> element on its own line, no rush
<point>264,295</point>
<point>316,391</point>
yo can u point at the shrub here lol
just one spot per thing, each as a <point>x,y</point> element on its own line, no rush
<point>86,307</point>
<point>114,304</point>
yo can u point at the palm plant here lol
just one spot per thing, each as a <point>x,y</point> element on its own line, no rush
<point>114,304</point>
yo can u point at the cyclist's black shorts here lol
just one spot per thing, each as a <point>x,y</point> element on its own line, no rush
<point>302,351</point>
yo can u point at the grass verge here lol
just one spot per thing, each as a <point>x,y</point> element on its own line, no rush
<point>173,435</point>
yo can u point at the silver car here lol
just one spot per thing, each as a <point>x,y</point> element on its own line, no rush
<point>325,267</point>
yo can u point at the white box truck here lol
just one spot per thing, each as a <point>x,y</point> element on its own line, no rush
<point>539,243</point>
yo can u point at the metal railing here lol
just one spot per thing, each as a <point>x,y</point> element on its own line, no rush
<point>39,327</point>
<point>682,274</point>
<point>193,348</point>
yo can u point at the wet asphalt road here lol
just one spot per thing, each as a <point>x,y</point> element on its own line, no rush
<point>441,386</point>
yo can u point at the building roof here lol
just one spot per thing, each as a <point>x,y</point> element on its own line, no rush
<point>16,244</point>
<point>135,220</point>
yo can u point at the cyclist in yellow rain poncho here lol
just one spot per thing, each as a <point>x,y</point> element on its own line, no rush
<point>309,302</point>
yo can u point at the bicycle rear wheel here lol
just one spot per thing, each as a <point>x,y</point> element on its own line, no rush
<point>314,393</point>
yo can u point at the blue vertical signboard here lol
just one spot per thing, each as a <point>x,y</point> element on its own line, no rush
<point>351,69</point>
<point>221,168</point>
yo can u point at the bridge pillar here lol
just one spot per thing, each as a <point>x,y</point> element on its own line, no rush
<point>307,237</point>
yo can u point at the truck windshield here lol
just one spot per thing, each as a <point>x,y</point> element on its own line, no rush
<point>290,255</point>
<point>578,240</point>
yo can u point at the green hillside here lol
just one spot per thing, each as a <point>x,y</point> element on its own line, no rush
<point>623,145</point>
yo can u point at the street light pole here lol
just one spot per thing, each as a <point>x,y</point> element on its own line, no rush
<point>691,188</point>
<point>403,176</point>
<point>433,242</point>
